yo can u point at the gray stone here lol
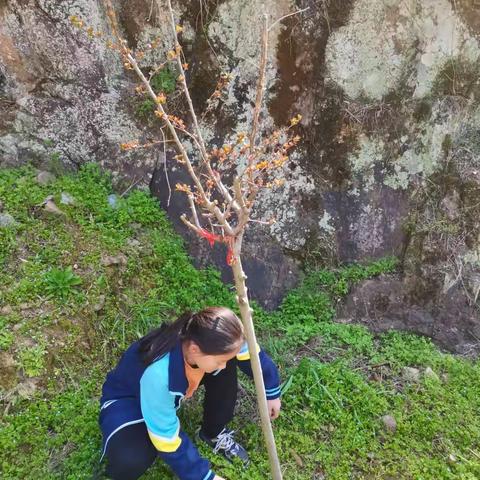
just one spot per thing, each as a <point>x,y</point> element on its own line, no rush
<point>113,200</point>
<point>51,207</point>
<point>411,374</point>
<point>343,320</point>
<point>45,178</point>
<point>6,220</point>
<point>390,423</point>
<point>452,459</point>
<point>109,260</point>
<point>67,199</point>
<point>451,205</point>
<point>6,310</point>
<point>382,60</point>
<point>28,388</point>
<point>133,242</point>
<point>429,373</point>
<point>396,302</point>
<point>100,304</point>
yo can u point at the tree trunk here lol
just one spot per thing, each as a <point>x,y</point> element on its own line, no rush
<point>246,315</point>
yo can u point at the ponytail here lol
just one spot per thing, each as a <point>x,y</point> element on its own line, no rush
<point>161,340</point>
<point>216,330</point>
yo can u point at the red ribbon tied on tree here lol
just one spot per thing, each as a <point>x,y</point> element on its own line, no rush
<point>230,259</point>
<point>212,238</point>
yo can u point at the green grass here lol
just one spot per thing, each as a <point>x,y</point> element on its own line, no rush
<point>61,332</point>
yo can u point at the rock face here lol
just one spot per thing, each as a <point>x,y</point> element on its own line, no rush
<point>410,303</point>
<point>62,95</point>
<point>390,158</point>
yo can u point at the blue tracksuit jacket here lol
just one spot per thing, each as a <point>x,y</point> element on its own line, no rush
<point>134,393</point>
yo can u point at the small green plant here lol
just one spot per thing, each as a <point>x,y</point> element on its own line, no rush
<point>32,360</point>
<point>457,77</point>
<point>55,156</point>
<point>145,108</point>
<point>60,283</point>
<point>55,164</point>
<point>6,336</point>
<point>164,81</point>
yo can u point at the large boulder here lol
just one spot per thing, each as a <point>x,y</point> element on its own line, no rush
<point>390,156</point>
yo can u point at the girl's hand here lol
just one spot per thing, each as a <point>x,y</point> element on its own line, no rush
<point>216,477</point>
<point>274,408</point>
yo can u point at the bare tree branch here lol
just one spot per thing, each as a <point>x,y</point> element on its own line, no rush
<point>260,85</point>
<point>190,225</point>
<point>198,133</point>
<point>194,210</point>
<point>173,131</point>
<point>165,168</point>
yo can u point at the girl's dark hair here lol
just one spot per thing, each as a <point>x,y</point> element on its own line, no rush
<point>216,330</point>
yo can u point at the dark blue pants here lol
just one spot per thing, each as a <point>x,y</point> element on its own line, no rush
<point>130,452</point>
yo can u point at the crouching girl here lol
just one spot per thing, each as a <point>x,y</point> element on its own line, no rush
<point>141,395</point>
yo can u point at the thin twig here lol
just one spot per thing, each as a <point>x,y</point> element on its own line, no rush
<point>183,81</point>
<point>190,225</point>
<point>157,69</point>
<point>237,188</point>
<point>148,145</point>
<point>151,11</point>
<point>194,210</point>
<point>261,222</point>
<point>352,115</point>
<point>260,85</point>
<point>135,181</point>
<point>165,169</point>
<point>286,16</point>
